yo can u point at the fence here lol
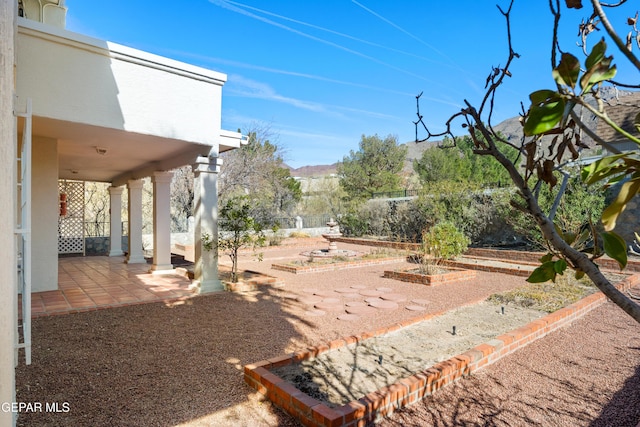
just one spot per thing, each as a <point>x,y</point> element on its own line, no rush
<point>101,229</point>
<point>414,193</point>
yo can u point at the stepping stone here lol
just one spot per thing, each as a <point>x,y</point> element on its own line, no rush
<point>358,287</point>
<point>420,301</point>
<point>326,294</point>
<point>384,289</point>
<point>416,307</point>
<point>356,304</point>
<point>331,300</point>
<point>315,313</point>
<point>393,297</point>
<point>348,317</point>
<point>385,305</point>
<point>351,296</point>
<point>372,299</point>
<point>289,295</point>
<point>310,290</point>
<point>310,300</point>
<point>361,310</point>
<point>370,293</point>
<point>344,290</point>
<point>327,306</point>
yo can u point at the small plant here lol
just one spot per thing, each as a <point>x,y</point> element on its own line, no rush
<point>238,230</point>
<point>442,241</point>
<point>276,236</point>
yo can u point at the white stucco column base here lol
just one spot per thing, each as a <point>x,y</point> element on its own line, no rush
<point>115,221</point>
<point>161,221</point>
<point>136,255</point>
<point>206,224</point>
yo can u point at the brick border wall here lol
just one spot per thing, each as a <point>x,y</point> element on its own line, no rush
<point>533,257</point>
<point>431,279</point>
<point>335,266</point>
<point>523,257</point>
<point>513,271</point>
<point>383,402</point>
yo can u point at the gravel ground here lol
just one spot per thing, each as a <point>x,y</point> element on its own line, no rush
<point>175,365</point>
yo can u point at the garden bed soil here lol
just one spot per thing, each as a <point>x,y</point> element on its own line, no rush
<point>348,373</point>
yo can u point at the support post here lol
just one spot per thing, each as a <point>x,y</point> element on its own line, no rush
<point>206,223</point>
<point>115,221</point>
<point>161,221</point>
<point>136,255</point>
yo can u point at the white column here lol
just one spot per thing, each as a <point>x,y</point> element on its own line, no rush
<point>136,256</point>
<point>161,221</point>
<point>206,223</point>
<point>115,221</point>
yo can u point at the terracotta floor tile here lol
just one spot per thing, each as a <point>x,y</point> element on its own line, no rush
<point>86,283</point>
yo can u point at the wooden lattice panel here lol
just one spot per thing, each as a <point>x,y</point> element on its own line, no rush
<point>71,219</point>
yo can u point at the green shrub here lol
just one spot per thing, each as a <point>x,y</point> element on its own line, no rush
<point>444,241</point>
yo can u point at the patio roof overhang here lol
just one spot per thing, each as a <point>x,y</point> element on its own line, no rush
<point>116,113</point>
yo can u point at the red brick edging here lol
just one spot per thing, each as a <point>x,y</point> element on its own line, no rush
<point>383,402</point>
<point>334,266</point>
<point>454,275</point>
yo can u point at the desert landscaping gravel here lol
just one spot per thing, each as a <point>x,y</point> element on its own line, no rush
<point>181,364</point>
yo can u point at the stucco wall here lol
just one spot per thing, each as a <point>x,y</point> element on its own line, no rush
<point>44,214</point>
<point>76,78</point>
<point>8,291</point>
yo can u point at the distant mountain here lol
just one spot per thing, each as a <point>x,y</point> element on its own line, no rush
<point>510,128</point>
<point>313,171</point>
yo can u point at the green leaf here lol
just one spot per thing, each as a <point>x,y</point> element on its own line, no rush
<point>560,266</point>
<point>613,211</point>
<point>598,67</point>
<point>601,169</point>
<point>546,258</point>
<point>567,71</point>
<point>541,96</point>
<point>547,108</point>
<point>597,54</point>
<point>579,274</point>
<point>615,247</point>
<point>544,273</point>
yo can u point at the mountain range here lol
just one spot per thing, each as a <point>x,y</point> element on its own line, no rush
<point>510,128</point>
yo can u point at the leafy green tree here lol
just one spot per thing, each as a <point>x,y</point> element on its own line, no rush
<point>552,133</point>
<point>576,207</point>
<point>237,230</point>
<point>375,167</point>
<point>257,170</point>
<point>457,163</point>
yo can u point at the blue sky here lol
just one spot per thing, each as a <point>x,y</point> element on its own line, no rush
<point>321,73</point>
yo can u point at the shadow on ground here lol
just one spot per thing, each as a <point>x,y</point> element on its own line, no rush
<point>155,364</point>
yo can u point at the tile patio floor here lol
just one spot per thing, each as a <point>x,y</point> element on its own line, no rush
<point>97,282</point>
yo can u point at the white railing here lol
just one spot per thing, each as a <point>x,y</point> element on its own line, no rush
<point>22,176</point>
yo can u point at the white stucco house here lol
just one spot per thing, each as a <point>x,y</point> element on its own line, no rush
<point>83,109</point>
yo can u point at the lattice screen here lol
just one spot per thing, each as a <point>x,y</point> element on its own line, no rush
<point>71,219</point>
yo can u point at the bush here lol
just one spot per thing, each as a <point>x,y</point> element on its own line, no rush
<point>444,241</point>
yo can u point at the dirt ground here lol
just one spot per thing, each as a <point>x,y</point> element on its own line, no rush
<point>181,364</point>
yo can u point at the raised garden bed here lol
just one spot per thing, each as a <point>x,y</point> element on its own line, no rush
<point>316,267</point>
<point>452,274</point>
<point>412,388</point>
